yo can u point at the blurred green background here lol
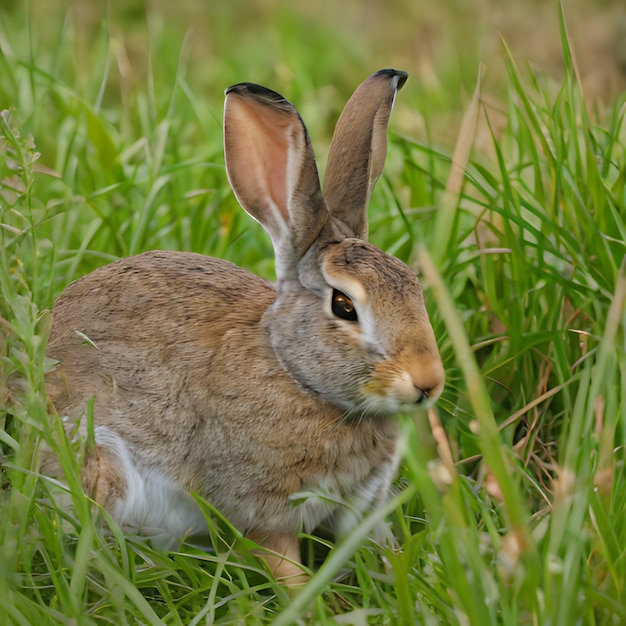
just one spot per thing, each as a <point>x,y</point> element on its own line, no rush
<point>338,42</point>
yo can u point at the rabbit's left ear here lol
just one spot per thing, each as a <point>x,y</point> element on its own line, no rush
<point>271,168</point>
<point>358,149</point>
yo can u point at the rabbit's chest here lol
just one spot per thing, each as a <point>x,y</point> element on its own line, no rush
<point>343,478</point>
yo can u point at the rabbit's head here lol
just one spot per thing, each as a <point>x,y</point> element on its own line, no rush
<point>349,321</point>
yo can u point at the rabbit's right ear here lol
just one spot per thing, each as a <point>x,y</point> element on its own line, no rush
<point>271,168</point>
<point>358,149</point>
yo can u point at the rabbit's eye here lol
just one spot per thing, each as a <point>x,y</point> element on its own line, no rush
<point>343,307</point>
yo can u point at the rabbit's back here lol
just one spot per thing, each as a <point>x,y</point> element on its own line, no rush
<point>117,326</point>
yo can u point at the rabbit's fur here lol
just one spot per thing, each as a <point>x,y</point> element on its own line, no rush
<point>207,378</point>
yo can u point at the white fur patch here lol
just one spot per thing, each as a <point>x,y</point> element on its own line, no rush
<point>154,505</point>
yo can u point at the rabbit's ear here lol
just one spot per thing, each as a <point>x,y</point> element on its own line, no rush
<point>358,149</point>
<point>271,168</point>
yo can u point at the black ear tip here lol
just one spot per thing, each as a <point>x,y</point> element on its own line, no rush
<point>250,88</point>
<point>400,75</point>
<point>259,93</point>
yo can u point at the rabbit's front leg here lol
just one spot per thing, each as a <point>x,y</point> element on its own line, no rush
<point>283,557</point>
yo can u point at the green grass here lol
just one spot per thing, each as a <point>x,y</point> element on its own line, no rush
<point>515,513</point>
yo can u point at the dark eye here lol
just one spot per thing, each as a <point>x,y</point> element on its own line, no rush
<point>343,307</point>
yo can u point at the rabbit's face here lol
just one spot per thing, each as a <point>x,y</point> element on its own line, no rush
<point>360,337</point>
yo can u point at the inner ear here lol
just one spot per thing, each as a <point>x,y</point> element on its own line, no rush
<point>256,144</point>
<point>271,168</point>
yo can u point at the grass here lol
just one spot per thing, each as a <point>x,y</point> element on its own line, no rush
<point>514,497</point>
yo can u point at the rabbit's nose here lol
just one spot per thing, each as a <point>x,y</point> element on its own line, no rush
<point>428,393</point>
<point>423,371</point>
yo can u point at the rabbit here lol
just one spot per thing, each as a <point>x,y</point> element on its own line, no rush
<point>209,379</point>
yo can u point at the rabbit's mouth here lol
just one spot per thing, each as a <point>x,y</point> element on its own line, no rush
<point>392,389</point>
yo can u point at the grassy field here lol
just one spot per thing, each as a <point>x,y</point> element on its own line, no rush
<point>504,186</point>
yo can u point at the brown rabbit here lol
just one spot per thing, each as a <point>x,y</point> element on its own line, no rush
<point>207,378</point>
